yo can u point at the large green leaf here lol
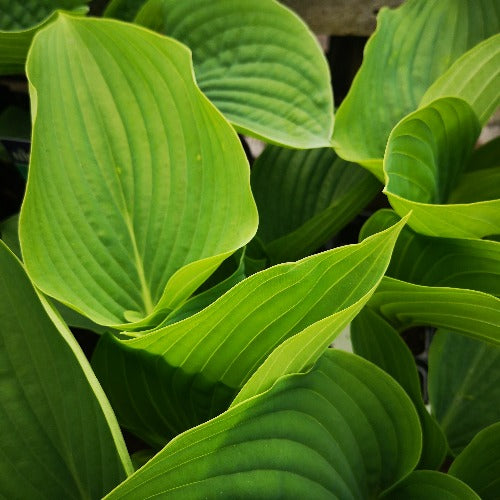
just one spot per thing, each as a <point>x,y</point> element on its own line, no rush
<point>426,154</point>
<point>412,46</point>
<point>59,436</point>
<point>464,386</point>
<point>374,339</point>
<point>486,156</point>
<point>431,485</point>
<point>125,10</point>
<point>344,430</point>
<point>20,20</point>
<point>305,197</point>
<point>432,261</point>
<point>472,313</point>
<point>479,463</point>
<point>257,62</point>
<point>474,77</point>
<point>136,192</point>
<point>203,361</point>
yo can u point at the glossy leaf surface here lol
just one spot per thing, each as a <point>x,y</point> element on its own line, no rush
<point>19,22</point>
<point>431,485</point>
<point>135,193</point>
<point>60,438</point>
<point>426,154</point>
<point>412,46</point>
<point>375,339</point>
<point>204,360</point>
<point>325,434</point>
<point>479,463</point>
<point>257,62</point>
<point>445,262</point>
<point>464,386</point>
<point>305,197</point>
<point>472,313</point>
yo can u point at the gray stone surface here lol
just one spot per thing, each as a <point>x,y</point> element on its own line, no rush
<point>340,17</point>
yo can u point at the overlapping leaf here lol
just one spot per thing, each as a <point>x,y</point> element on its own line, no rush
<point>472,313</point>
<point>125,10</point>
<point>412,46</point>
<point>306,197</point>
<point>343,430</point>
<point>426,154</point>
<point>479,463</point>
<point>203,361</point>
<point>257,62</point>
<point>375,340</point>
<point>59,436</point>
<point>20,20</point>
<point>431,485</point>
<point>464,386</point>
<point>445,262</point>
<point>474,77</point>
<point>138,188</point>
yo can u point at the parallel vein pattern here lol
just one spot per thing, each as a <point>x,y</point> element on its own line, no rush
<point>203,361</point>
<point>257,62</point>
<point>59,436</point>
<point>323,435</point>
<point>138,188</point>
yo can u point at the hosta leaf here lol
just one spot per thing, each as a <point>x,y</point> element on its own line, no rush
<point>305,197</point>
<point>343,430</point>
<point>486,156</point>
<point>479,463</point>
<point>20,20</point>
<point>412,46</point>
<point>257,62</point>
<point>432,261</point>
<point>431,485</point>
<point>478,185</point>
<point>426,154</point>
<point>474,77</point>
<point>123,9</point>
<point>204,360</point>
<point>59,436</point>
<point>135,193</point>
<point>9,234</point>
<point>374,339</point>
<point>472,313</point>
<point>464,386</point>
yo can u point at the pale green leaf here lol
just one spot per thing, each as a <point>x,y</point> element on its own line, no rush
<point>479,463</point>
<point>205,360</point>
<point>344,430</point>
<point>257,62</point>
<point>305,197</point>
<point>374,339</point>
<point>59,436</point>
<point>464,386</point>
<point>136,193</point>
<point>431,485</point>
<point>426,154</point>
<point>412,46</point>
<point>19,22</point>
<point>474,77</point>
<point>403,305</point>
<point>432,261</point>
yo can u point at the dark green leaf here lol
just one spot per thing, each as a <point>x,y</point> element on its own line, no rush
<point>59,436</point>
<point>344,430</point>
<point>464,386</point>
<point>375,340</point>
<point>305,197</point>
<point>479,463</point>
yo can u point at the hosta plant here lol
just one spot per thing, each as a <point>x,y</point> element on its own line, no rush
<point>215,290</point>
